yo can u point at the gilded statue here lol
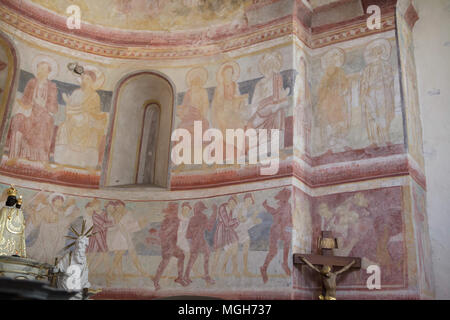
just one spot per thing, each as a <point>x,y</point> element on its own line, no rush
<point>328,278</point>
<point>12,226</point>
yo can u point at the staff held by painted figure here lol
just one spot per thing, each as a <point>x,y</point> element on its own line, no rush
<point>12,226</point>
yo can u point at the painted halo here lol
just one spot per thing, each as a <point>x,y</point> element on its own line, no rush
<point>52,63</point>
<point>327,58</point>
<point>56,195</point>
<point>236,71</point>
<point>270,63</point>
<point>99,75</point>
<point>198,72</point>
<point>383,44</point>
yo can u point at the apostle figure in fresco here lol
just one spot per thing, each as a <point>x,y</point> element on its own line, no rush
<point>270,98</point>
<point>195,106</point>
<point>247,219</point>
<point>52,217</point>
<point>281,229</point>
<point>198,224</point>
<point>97,249</point>
<point>377,93</point>
<point>30,137</point>
<point>168,234</point>
<point>81,137</point>
<point>120,239</point>
<point>228,104</point>
<point>225,237</point>
<point>333,109</point>
<point>303,107</point>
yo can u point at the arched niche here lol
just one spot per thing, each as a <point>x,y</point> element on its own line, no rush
<point>138,99</point>
<point>8,75</point>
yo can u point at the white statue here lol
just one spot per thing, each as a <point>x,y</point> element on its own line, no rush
<point>72,269</point>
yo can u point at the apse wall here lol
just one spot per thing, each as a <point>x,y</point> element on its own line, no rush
<point>362,186</point>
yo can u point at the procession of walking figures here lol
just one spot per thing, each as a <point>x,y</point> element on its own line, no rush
<point>219,237</point>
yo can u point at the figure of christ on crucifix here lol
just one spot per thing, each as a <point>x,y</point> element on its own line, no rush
<point>327,261</point>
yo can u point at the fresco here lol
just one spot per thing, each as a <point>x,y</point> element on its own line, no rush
<point>239,240</point>
<point>7,72</point>
<point>154,14</point>
<point>367,224</point>
<point>411,94</point>
<point>259,103</point>
<point>361,84</point>
<point>57,130</point>
<point>422,237</point>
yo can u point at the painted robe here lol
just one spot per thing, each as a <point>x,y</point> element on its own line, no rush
<point>31,137</point>
<point>226,228</point>
<point>101,223</point>
<point>269,101</point>
<point>378,100</point>
<point>81,135</point>
<point>227,107</point>
<point>119,236</point>
<point>333,115</point>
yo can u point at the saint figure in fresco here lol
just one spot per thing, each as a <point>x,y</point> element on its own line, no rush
<point>198,224</point>
<point>228,104</point>
<point>81,137</point>
<point>168,234</point>
<point>30,136</point>
<point>303,108</point>
<point>377,94</point>
<point>225,237</point>
<point>281,229</point>
<point>333,108</point>
<point>195,106</point>
<point>270,98</point>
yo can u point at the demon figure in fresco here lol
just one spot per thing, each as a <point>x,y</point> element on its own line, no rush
<point>168,235</point>
<point>81,137</point>
<point>32,128</point>
<point>377,94</point>
<point>281,229</point>
<point>198,224</point>
<point>333,108</point>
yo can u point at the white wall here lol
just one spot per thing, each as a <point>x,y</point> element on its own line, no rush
<point>432,50</point>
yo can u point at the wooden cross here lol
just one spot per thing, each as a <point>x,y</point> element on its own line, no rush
<point>326,244</point>
<point>326,257</point>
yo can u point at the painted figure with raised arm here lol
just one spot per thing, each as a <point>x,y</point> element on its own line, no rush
<point>328,278</point>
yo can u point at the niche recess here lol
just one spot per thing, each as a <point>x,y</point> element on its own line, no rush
<point>139,139</point>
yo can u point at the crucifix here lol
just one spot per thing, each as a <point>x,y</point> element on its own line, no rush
<point>328,261</point>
